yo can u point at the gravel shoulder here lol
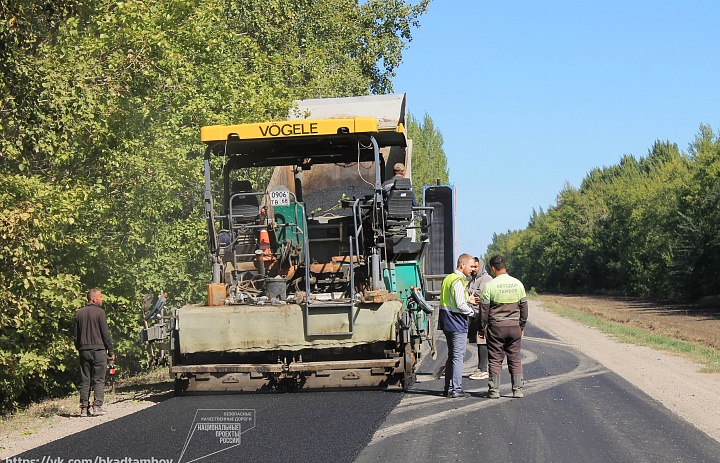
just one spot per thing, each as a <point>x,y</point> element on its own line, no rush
<point>675,382</point>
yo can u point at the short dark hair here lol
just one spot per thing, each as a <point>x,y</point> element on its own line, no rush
<point>92,294</point>
<point>497,262</point>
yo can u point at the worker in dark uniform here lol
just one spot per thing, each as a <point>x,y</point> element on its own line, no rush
<point>503,313</point>
<point>93,342</point>
<point>399,171</point>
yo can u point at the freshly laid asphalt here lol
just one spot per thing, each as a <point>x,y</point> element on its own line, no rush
<point>574,410</point>
<point>301,427</point>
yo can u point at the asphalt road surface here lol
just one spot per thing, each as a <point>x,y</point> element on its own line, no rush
<point>574,410</point>
<point>292,427</point>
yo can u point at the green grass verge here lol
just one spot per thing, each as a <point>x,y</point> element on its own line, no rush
<point>705,355</point>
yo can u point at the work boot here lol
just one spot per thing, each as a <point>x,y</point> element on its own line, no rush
<point>517,385</point>
<point>494,387</point>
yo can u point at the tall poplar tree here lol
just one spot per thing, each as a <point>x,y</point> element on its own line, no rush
<point>429,163</point>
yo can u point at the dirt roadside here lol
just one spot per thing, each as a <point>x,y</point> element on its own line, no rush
<point>686,322</point>
<point>675,382</point>
<point>54,419</point>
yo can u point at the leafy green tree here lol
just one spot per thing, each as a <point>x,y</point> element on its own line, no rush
<point>429,163</point>
<point>100,108</point>
<point>644,226</point>
<point>328,48</point>
<point>655,220</point>
<point>698,245</point>
<point>505,244</point>
<point>37,296</point>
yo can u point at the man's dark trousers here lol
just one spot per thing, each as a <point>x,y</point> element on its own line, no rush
<point>93,363</point>
<point>503,340</point>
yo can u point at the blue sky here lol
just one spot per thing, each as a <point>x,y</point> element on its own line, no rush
<point>529,95</point>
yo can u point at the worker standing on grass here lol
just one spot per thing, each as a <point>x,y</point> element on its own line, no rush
<point>503,313</point>
<point>478,278</point>
<point>454,311</point>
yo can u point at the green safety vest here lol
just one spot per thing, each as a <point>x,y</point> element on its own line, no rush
<point>447,294</point>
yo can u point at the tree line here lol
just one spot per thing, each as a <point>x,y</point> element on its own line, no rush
<point>100,108</point>
<point>643,227</point>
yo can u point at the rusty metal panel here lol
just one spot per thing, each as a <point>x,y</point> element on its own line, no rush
<point>379,296</point>
<point>325,268</point>
<point>228,368</point>
<point>390,113</point>
<point>344,365</point>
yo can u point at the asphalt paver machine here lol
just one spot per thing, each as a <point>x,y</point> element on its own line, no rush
<point>316,276</point>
